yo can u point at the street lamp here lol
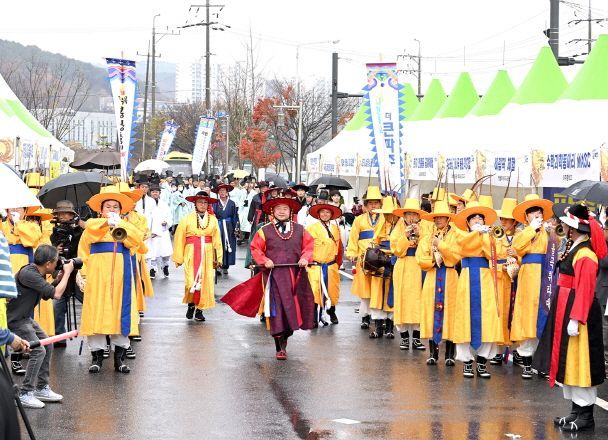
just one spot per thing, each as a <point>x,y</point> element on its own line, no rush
<point>314,43</point>
<point>281,123</point>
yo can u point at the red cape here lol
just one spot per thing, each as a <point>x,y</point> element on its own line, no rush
<point>245,298</point>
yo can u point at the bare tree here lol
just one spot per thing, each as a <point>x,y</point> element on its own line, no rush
<point>52,92</point>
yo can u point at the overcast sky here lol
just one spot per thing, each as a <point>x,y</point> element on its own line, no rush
<point>456,36</point>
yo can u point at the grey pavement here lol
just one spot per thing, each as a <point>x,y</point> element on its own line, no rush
<point>219,380</point>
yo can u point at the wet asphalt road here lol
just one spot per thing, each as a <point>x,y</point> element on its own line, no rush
<point>219,380</point>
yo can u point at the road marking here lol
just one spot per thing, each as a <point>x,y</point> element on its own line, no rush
<point>244,344</point>
<point>344,274</point>
<point>346,421</point>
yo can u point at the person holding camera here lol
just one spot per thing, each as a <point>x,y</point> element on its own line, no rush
<point>66,235</point>
<point>32,287</point>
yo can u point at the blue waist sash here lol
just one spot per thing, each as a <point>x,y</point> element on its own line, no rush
<point>127,262</point>
<point>385,244</point>
<point>366,235</point>
<point>533,259</point>
<point>475,264</point>
<point>501,261</point>
<point>440,275</point>
<point>411,252</point>
<point>22,250</point>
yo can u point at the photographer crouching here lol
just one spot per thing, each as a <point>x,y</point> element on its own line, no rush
<point>31,288</point>
<point>67,230</point>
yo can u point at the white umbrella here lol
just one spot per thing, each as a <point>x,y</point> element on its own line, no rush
<point>152,165</point>
<point>15,193</point>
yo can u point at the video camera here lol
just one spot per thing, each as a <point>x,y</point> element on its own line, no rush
<point>61,261</point>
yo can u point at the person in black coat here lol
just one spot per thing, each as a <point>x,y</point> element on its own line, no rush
<point>601,288</point>
<point>227,215</point>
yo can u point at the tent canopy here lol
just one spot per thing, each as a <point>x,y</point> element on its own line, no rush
<point>462,99</point>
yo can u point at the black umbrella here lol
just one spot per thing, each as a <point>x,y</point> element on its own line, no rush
<point>75,187</point>
<point>276,180</point>
<point>333,182</point>
<point>590,190</point>
<point>101,159</point>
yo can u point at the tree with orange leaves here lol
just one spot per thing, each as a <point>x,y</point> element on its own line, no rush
<point>257,148</point>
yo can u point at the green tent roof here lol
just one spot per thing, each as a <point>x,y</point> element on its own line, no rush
<point>591,82</point>
<point>544,83</point>
<point>358,120</point>
<point>430,104</point>
<point>498,95</point>
<point>462,99</point>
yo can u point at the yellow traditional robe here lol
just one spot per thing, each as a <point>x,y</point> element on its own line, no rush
<point>144,283</point>
<point>474,244</point>
<point>379,286</point>
<point>424,256</point>
<point>407,277</point>
<point>183,253</point>
<point>356,249</point>
<point>44,313</point>
<point>527,298</point>
<point>104,274</point>
<point>326,250</point>
<point>504,286</point>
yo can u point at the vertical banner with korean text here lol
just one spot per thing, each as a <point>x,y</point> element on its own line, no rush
<point>121,74</point>
<point>166,139</point>
<point>383,98</point>
<point>201,144</point>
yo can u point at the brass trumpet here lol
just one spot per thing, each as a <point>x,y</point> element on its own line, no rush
<point>498,232</point>
<point>560,231</point>
<point>119,234</point>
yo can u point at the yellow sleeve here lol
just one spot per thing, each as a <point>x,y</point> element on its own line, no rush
<point>424,256</point>
<point>449,249</point>
<point>179,242</point>
<point>217,241</point>
<point>97,228</point>
<point>399,242</point>
<point>134,235</point>
<point>352,249</point>
<point>523,241</point>
<point>29,233</point>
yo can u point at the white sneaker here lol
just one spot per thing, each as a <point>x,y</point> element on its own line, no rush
<point>46,394</point>
<point>28,400</point>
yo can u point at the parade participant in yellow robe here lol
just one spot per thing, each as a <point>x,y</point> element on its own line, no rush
<point>324,277</point>
<point>44,313</point>
<point>407,275</point>
<point>381,288</point>
<point>197,245</point>
<point>110,300</point>
<point>437,253</point>
<point>507,268</point>
<point>531,246</point>
<point>359,240</point>
<point>23,237</point>
<point>477,326</point>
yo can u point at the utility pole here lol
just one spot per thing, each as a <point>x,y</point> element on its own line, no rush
<point>154,65</point>
<point>417,72</point>
<point>145,116</point>
<point>553,33</point>
<point>419,68</point>
<point>335,94</point>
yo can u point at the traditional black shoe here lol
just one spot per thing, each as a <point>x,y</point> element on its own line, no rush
<point>365,321</point>
<point>449,362</point>
<point>389,326</point>
<point>218,272</point>
<point>141,314</point>
<point>584,420</point>
<point>332,315</point>
<point>136,338</point>
<point>17,368</point>
<point>119,358</point>
<point>152,274</point>
<point>405,341</point>
<point>262,318</point>
<point>417,344</point>
<point>527,372</point>
<point>431,361</point>
<point>97,361</point>
<point>481,368</point>
<point>561,421</point>
<point>198,315</point>
<point>467,370</point>
<point>496,360</point>
<point>190,311</point>
<point>106,352</point>
<point>378,330</point>
<point>225,271</point>
<point>130,353</point>
<point>166,271</point>
<point>517,359</point>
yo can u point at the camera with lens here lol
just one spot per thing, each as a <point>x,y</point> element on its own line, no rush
<point>61,261</point>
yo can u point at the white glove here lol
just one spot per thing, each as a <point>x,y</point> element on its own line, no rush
<point>113,219</point>
<point>15,216</point>
<point>476,227</point>
<point>573,327</point>
<point>536,223</point>
<point>484,229</point>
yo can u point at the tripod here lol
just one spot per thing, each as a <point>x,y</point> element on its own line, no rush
<point>15,388</point>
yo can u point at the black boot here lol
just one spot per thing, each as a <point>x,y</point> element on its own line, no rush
<point>416,343</point>
<point>517,359</point>
<point>481,368</point>
<point>390,332</point>
<point>378,330</point>
<point>365,321</point>
<point>450,351</point>
<point>190,312</point>
<point>131,353</point>
<point>405,341</point>
<point>97,361</point>
<point>262,318</point>
<point>119,360</point>
<point>332,314</point>
<point>467,370</point>
<point>198,315</point>
<point>496,360</point>
<point>434,353</point>
<point>584,420</point>
<point>527,372</point>
<point>561,421</point>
